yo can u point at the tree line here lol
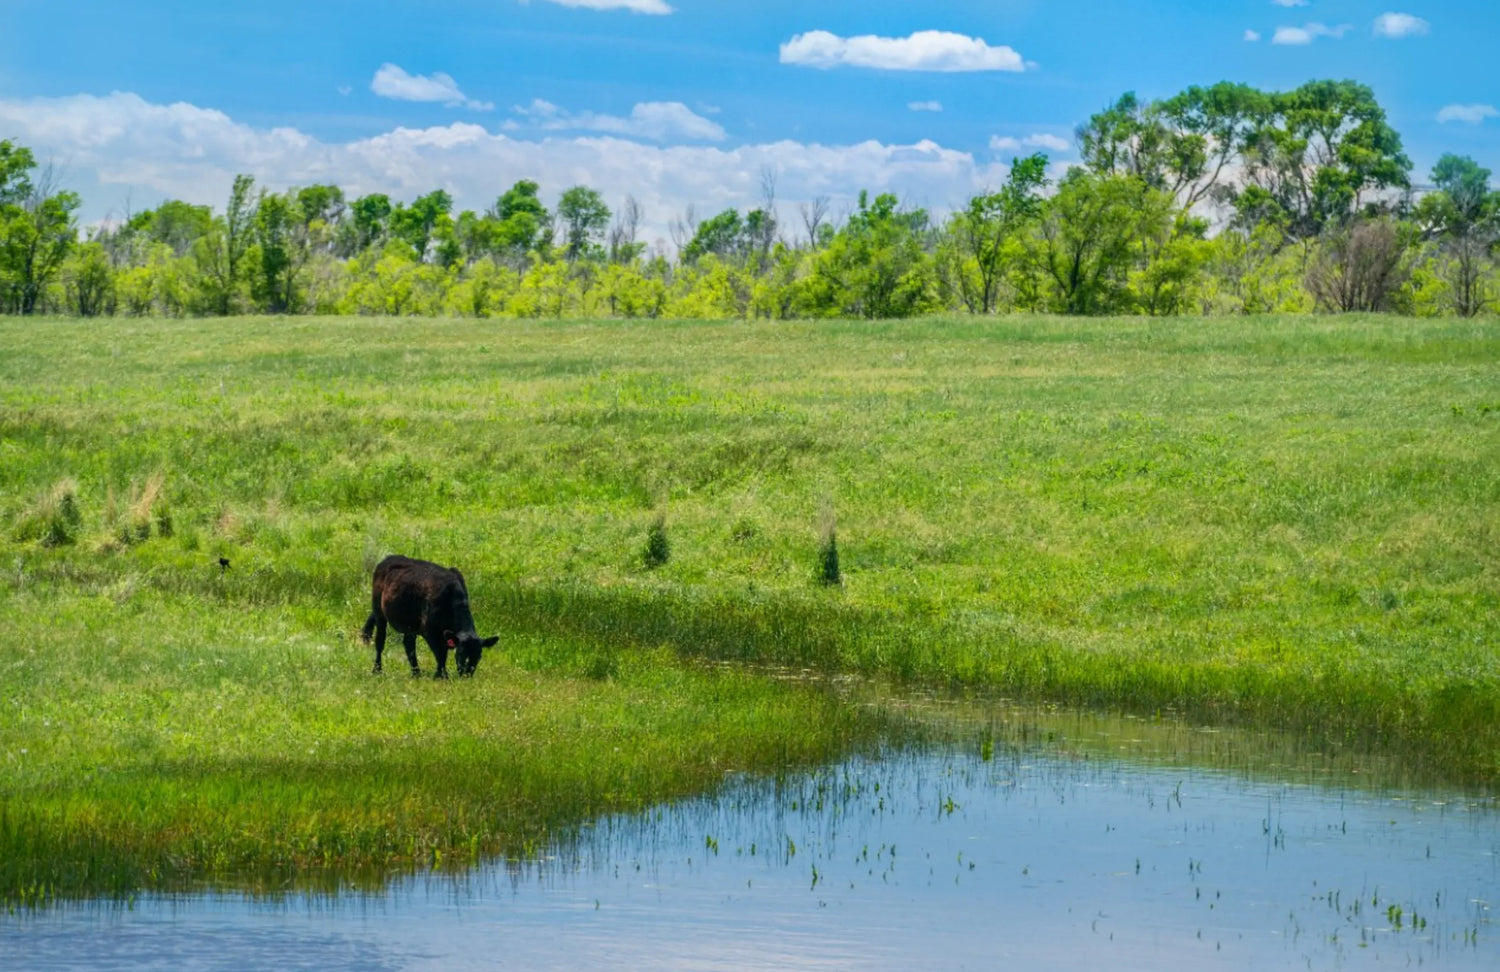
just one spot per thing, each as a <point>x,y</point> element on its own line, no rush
<point>1219,200</point>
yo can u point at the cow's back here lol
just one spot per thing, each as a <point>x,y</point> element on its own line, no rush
<point>414,594</point>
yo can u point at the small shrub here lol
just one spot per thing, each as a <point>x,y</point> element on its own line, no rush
<point>828,552</point>
<point>744,529</point>
<point>658,547</point>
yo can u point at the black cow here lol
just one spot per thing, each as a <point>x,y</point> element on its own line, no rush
<point>420,598</point>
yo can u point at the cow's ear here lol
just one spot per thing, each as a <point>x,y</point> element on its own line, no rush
<point>490,642</point>
<point>451,638</point>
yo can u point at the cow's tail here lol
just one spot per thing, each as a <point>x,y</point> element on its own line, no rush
<point>369,629</point>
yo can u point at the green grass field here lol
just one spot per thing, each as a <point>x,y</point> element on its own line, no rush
<point>1284,523</point>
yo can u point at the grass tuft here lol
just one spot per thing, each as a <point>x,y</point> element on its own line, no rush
<point>54,519</point>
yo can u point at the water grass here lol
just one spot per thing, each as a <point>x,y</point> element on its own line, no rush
<point>1284,523</point>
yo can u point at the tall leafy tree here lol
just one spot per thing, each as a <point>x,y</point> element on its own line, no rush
<point>1463,215</point>
<point>320,204</point>
<point>981,231</point>
<point>281,235</point>
<point>1209,130</point>
<point>371,215</point>
<point>585,220</point>
<point>174,223</point>
<point>416,223</point>
<point>219,255</point>
<point>722,235</point>
<point>36,236</point>
<point>16,163</point>
<point>877,266</point>
<point>1085,243</point>
<point>37,228</point>
<point>1463,198</point>
<point>1322,154</point>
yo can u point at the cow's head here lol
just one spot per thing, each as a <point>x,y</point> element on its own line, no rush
<point>470,648</point>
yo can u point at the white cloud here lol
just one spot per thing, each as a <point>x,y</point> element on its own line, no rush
<point>925,50</point>
<point>393,82</point>
<point>925,105</point>
<point>634,6</point>
<point>122,147</point>
<point>1040,140</point>
<point>1306,34</point>
<point>1252,36</point>
<point>1470,114</point>
<point>1398,25</point>
<point>1290,3</point>
<point>656,120</point>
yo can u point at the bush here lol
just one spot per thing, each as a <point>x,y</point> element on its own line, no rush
<point>829,574</point>
<point>1360,268</point>
<point>658,548</point>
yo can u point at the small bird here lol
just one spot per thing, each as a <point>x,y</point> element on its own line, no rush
<point>223,564</point>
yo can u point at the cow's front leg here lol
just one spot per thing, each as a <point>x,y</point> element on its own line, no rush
<point>440,652</point>
<point>409,642</point>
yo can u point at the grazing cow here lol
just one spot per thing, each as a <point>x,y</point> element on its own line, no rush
<point>420,598</point>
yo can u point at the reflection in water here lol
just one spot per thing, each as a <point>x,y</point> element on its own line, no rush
<point>1031,858</point>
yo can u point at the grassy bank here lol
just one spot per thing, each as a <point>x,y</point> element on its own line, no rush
<point>1282,522</point>
<point>154,743</point>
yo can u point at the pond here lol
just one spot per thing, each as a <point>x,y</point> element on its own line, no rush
<point>1039,850</point>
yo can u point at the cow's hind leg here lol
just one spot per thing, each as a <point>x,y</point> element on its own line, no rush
<point>409,642</point>
<point>375,625</point>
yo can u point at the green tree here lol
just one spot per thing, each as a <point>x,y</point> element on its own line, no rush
<point>1464,216</point>
<point>320,204</point>
<point>37,230</point>
<point>369,225</point>
<point>979,233</point>
<point>522,220</point>
<point>219,255</point>
<point>89,281</point>
<point>585,220</point>
<point>722,235</point>
<point>877,266</point>
<point>16,163</point>
<point>415,224</point>
<point>1324,153</point>
<point>281,238</point>
<point>176,223</point>
<point>1085,242</point>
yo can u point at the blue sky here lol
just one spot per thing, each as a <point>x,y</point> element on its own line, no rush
<point>138,101</point>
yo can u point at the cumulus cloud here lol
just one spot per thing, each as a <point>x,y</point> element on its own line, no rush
<point>391,81</point>
<point>1038,141</point>
<point>656,120</point>
<point>634,6</point>
<point>1469,114</point>
<point>925,105</point>
<point>1307,33</point>
<point>925,50</point>
<point>1252,36</point>
<point>140,150</point>
<point>1398,25</point>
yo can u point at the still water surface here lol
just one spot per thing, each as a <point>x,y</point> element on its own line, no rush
<point>1028,856</point>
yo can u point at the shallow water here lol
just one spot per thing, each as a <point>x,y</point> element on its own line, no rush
<point>1036,857</point>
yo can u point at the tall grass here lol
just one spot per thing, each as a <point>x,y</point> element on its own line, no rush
<point>1276,522</point>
